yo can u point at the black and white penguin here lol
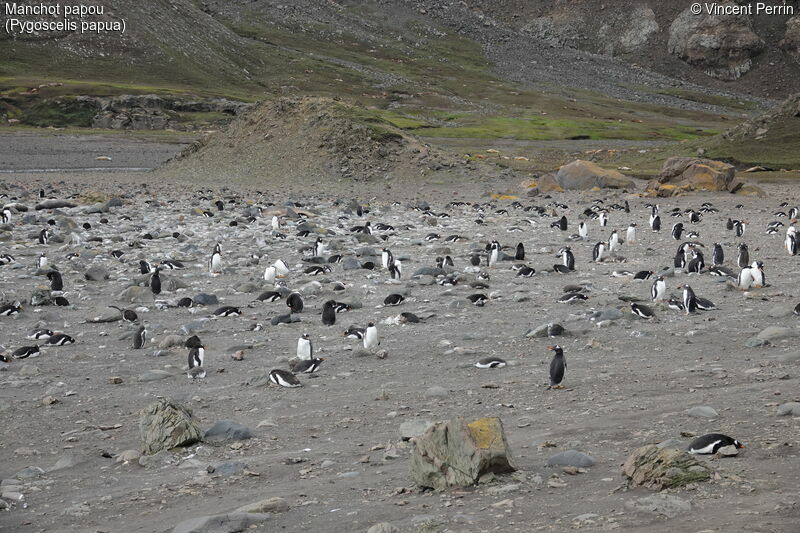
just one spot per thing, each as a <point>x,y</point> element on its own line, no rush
<point>40,334</point>
<point>729,224</point>
<point>127,315</point>
<point>295,302</point>
<point>694,217</point>
<point>583,230</point>
<point>630,234</point>
<point>7,259</point>
<point>658,289</point>
<point>305,349</point>
<point>558,367</point>
<point>306,366</point>
<point>478,299</point>
<point>56,282</point>
<point>697,263</point>
<point>318,249</point>
<point>475,260</point>
<point>393,299</point>
<point>494,253</point>
<point>561,223</point>
<point>227,310</point>
<point>60,301</point>
<point>743,256</point>
<point>567,258</point>
<point>598,252</point>
<point>145,267</point>
<point>642,311</point>
<point>490,362</point>
<point>329,313</point>
<point>155,283</point>
<point>571,297</point>
<point>689,299</point>
<point>520,254</point>
<point>215,261</point>
<point>284,379</point>
<point>655,219</point>
<point>44,236</point>
<point>677,231</point>
<point>711,443</point>
<point>269,296</point>
<point>10,309</point>
<point>60,339</point>
<point>791,240</point>
<point>6,215</point>
<point>643,275</point>
<point>704,304</point>
<point>371,340</point>
<point>317,269</point>
<point>739,227</point>
<point>396,269</point>
<point>603,219</point>
<point>171,264</point>
<point>41,261</point>
<point>185,302</point>
<point>24,352</point>
<point>336,258</point>
<point>196,360</point>
<point>387,258</point>
<point>140,338</point>
<point>354,332</point>
<point>526,272</point>
<point>718,255</point>
<point>220,205</point>
<point>341,307</point>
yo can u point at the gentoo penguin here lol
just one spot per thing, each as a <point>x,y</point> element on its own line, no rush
<point>655,219</point>
<point>603,219</point>
<point>572,297</point>
<point>44,236</point>
<point>689,299</point>
<point>196,358</point>
<point>567,258</point>
<point>757,270</point>
<point>126,314</point>
<point>791,240</point>
<point>711,443</point>
<point>184,302</point>
<point>743,256</point>
<point>793,212</point>
<point>60,339</point>
<point>341,307</point>
<point>393,299</point>
<point>41,262</point>
<point>6,215</point>
<point>478,299</point>
<point>269,296</point>
<point>490,362</point>
<point>276,223</point>
<point>305,350</point>
<point>25,351</point>
<point>526,272</point>
<point>717,256</point>
<point>494,253</point>
<point>677,231</point>
<point>371,340</point>
<point>739,227</point>
<point>306,366</point>
<point>318,247</point>
<point>630,234</point>
<point>145,267</point>
<point>520,254</point>
<point>155,283</point>
<point>694,217</point>
<point>220,205</point>
<point>6,259</point>
<point>643,275</point>
<point>387,258</point>
<point>729,224</point>
<point>269,274</point>
<point>583,230</point>
<point>40,334</point>
<point>598,252</point>
<point>561,223</point>
<point>697,263</point>
<point>10,309</point>
<point>317,269</point>
<point>227,310</point>
<point>613,241</point>
<point>56,282</point>
<point>558,367</point>
<point>171,264</point>
<point>140,338</point>
<point>329,313</point>
<point>281,270</point>
<point>284,379</point>
<point>295,302</point>
<point>396,269</point>
<point>215,262</point>
<point>658,289</point>
<point>60,300</point>
<point>642,311</point>
<point>354,332</point>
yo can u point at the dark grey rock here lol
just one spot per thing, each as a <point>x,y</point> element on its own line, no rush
<point>227,431</point>
<point>571,458</point>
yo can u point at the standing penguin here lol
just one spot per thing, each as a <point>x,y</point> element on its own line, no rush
<point>44,236</point>
<point>567,258</point>
<point>276,224</point>
<point>155,283</point>
<point>329,313</point>
<point>759,279</point>
<point>558,367</point>
<point>717,256</point>
<point>689,299</point>
<point>697,262</point>
<point>739,227</point>
<point>743,256</point>
<point>295,302</point>
<point>371,341</point>
<point>145,267</point>
<point>520,255</point>
<point>269,274</point>
<point>598,252</point>
<point>583,230</point>
<point>318,248</point>
<point>630,235</point>
<point>6,216</point>
<point>41,261</point>
<point>140,338</point>
<point>677,231</point>
<point>561,223</point>
<point>603,218</point>
<point>613,241</point>
<point>791,240</point>
<point>658,289</point>
<point>56,282</point>
<point>305,350</point>
<point>215,262</point>
<point>494,253</point>
<point>655,219</point>
<point>386,258</point>
<point>396,269</point>
<point>196,359</point>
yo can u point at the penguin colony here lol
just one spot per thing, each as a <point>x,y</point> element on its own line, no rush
<point>463,265</point>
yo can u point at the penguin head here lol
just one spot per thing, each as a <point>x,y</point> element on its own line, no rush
<point>738,444</point>
<point>305,336</point>
<point>371,325</point>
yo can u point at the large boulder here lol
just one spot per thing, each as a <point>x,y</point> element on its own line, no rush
<point>684,174</point>
<point>459,454</point>
<point>585,175</point>
<point>791,39</point>
<point>722,46</point>
<point>221,523</point>
<point>663,468</point>
<point>166,424</point>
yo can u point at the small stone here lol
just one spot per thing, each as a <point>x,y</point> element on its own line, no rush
<point>571,458</point>
<point>702,411</point>
<point>383,527</point>
<point>115,380</point>
<point>661,504</point>
<point>270,505</point>
<point>789,409</point>
<point>436,392</point>
<point>128,456</point>
<point>728,451</point>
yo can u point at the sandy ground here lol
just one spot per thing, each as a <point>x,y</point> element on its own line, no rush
<point>332,448</point>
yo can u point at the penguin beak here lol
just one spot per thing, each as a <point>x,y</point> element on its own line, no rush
<point>551,347</point>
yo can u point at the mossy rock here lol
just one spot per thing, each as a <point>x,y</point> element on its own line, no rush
<point>663,468</point>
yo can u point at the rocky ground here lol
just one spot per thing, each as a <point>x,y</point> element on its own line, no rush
<point>331,455</point>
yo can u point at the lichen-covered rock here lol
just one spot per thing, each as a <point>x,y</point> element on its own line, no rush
<point>41,297</point>
<point>723,46</point>
<point>791,39</point>
<point>663,468</point>
<point>585,175</point>
<point>165,424</point>
<point>684,174</point>
<point>458,454</point>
